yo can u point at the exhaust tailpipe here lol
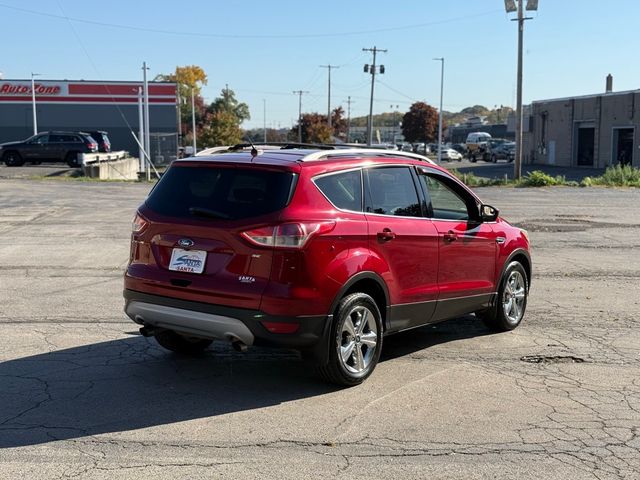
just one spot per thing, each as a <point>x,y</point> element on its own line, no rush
<point>239,346</point>
<point>147,331</point>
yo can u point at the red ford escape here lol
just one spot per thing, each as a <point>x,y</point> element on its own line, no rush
<point>326,252</point>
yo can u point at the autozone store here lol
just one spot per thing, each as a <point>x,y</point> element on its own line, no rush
<point>90,105</point>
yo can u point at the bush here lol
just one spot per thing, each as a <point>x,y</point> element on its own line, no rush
<point>471,180</point>
<point>541,179</point>
<point>619,176</point>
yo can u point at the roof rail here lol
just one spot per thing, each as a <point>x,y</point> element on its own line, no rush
<point>284,146</point>
<point>360,152</point>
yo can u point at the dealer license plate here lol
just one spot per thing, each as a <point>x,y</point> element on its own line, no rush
<point>191,261</point>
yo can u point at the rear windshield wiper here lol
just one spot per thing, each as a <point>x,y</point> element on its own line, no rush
<point>208,213</point>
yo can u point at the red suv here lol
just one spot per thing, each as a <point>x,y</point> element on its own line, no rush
<point>324,251</point>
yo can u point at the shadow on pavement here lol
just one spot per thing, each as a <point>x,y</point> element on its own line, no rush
<point>130,383</point>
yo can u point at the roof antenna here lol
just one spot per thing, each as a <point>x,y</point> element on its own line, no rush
<point>254,150</point>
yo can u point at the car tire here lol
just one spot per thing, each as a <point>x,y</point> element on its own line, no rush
<point>180,344</point>
<point>511,303</point>
<point>494,159</point>
<point>12,159</point>
<point>72,159</point>
<point>473,159</point>
<point>355,341</point>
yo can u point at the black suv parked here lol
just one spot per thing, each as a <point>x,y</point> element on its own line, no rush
<point>49,146</point>
<point>100,136</point>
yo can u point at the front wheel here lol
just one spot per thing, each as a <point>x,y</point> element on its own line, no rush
<point>12,159</point>
<point>181,344</point>
<point>511,303</point>
<point>355,341</point>
<point>72,159</point>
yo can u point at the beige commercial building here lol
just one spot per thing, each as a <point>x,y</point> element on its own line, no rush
<point>591,131</point>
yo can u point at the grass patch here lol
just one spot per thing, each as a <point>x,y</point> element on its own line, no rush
<point>471,180</point>
<point>617,176</point>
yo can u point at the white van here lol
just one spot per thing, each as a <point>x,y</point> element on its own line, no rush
<point>476,145</point>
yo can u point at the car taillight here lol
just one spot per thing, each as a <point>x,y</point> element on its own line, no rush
<point>139,223</point>
<point>287,235</point>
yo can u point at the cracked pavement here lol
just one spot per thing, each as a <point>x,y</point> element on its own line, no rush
<point>83,396</point>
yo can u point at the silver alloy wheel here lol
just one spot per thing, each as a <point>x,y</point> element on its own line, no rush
<point>513,297</point>
<point>358,339</point>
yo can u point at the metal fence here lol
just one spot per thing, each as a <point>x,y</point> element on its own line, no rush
<point>164,148</point>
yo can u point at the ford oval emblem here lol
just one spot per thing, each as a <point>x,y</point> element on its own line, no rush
<point>185,242</point>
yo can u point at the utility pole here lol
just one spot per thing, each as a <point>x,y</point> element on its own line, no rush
<point>147,129</point>
<point>511,7</point>
<point>300,93</point>
<point>329,67</point>
<point>372,70</point>
<point>33,103</point>
<point>441,59</point>
<point>349,102</point>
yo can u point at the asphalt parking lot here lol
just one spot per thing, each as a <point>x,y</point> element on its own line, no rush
<point>82,395</point>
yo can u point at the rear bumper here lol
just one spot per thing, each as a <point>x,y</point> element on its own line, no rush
<point>221,322</point>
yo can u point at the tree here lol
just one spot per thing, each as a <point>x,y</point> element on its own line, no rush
<point>420,123</point>
<point>220,128</point>
<point>190,78</point>
<point>315,128</point>
<point>227,102</point>
<point>221,123</point>
<point>339,123</point>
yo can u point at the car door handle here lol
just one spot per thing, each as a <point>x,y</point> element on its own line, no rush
<point>386,235</point>
<point>450,236</point>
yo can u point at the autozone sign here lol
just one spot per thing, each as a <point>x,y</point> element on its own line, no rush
<point>14,88</point>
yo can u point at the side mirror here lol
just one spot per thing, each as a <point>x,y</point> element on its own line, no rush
<point>488,213</point>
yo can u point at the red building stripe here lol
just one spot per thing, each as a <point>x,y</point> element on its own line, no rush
<point>118,89</point>
<point>51,99</point>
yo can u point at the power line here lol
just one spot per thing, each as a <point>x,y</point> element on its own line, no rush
<point>185,33</point>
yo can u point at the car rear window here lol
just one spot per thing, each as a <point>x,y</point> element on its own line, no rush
<point>222,193</point>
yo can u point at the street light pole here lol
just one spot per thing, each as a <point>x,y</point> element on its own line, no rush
<point>441,59</point>
<point>33,103</point>
<point>193,120</point>
<point>510,6</point>
<point>264,119</point>
<point>329,67</point>
<point>299,93</point>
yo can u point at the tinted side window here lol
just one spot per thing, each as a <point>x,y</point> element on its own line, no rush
<point>391,191</point>
<point>53,138</point>
<point>344,190</point>
<point>446,204</point>
<point>227,193</point>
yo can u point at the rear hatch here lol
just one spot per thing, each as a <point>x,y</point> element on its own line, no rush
<point>191,245</point>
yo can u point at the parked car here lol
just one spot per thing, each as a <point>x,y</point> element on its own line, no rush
<point>459,147</point>
<point>49,146</point>
<point>421,148</point>
<point>323,251</point>
<point>451,154</point>
<point>477,146</point>
<point>501,151</point>
<point>102,138</point>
